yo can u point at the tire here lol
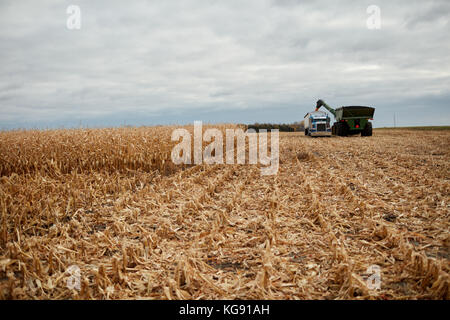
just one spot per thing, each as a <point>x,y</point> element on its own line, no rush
<point>367,132</point>
<point>306,132</point>
<point>333,130</point>
<point>342,129</point>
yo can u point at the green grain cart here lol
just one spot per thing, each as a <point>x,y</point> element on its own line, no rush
<point>350,120</point>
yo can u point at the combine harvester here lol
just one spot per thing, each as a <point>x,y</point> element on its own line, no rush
<point>349,120</point>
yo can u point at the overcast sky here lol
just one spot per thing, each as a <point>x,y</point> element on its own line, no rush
<point>160,62</point>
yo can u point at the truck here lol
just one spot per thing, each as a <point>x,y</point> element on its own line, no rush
<point>350,120</point>
<point>317,124</point>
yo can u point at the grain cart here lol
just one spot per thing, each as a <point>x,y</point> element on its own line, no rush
<point>350,119</point>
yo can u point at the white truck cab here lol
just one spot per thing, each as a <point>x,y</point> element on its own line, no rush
<point>317,124</point>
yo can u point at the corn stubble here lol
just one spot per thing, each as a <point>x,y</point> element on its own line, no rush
<point>111,202</point>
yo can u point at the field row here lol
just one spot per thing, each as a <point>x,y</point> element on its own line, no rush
<point>139,229</point>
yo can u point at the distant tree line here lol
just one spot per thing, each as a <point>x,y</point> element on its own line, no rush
<point>284,127</point>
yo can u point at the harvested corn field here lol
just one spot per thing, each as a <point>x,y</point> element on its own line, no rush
<point>110,204</point>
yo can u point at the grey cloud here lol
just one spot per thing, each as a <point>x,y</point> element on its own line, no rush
<point>155,61</point>
<point>434,11</point>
